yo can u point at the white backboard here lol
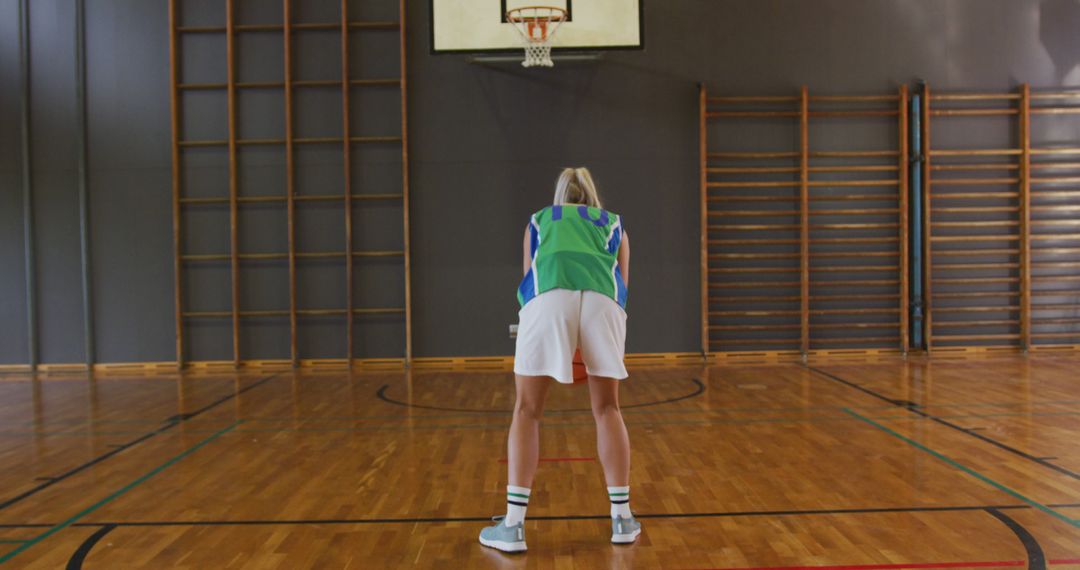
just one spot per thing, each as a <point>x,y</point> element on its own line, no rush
<point>480,25</point>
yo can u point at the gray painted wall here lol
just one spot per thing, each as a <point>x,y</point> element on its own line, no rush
<point>486,144</point>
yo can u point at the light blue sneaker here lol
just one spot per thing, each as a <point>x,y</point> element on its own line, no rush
<point>624,530</point>
<point>504,538</point>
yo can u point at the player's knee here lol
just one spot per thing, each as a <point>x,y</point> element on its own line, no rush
<point>530,410</point>
<point>604,409</point>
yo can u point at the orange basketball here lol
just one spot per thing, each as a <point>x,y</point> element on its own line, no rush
<point>580,374</point>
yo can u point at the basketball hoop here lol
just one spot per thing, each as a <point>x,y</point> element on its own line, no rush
<point>537,26</point>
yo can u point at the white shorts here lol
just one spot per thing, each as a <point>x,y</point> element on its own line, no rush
<point>554,324</point>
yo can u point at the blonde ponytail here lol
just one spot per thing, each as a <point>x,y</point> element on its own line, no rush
<point>576,186</point>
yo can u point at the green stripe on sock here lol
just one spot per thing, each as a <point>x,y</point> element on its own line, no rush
<point>619,494</point>
<point>526,497</point>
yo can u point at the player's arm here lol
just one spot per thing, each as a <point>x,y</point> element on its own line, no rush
<point>526,259</point>
<point>624,258</point>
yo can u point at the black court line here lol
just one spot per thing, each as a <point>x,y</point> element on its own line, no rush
<point>1036,558</point>
<point>381,394</point>
<point>172,422</point>
<point>914,408</point>
<point>77,559</point>
<point>415,520</point>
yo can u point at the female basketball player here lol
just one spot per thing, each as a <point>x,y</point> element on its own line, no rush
<point>573,296</point>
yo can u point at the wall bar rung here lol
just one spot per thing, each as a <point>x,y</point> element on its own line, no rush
<point>747,114</point>
<point>975,181</point>
<point>986,166</point>
<point>752,155</point>
<point>754,213</point>
<point>751,298</point>
<point>853,198</point>
<point>854,154</point>
<point>849,183</point>
<point>1056,180</point>
<point>1054,151</point>
<point>1056,95</point>
<point>853,268</point>
<point>968,195</point>
<point>740,199</point>
<point>752,99</point>
<point>853,98</point>
<point>976,152</point>
<point>856,297</point>
<point>1054,165</point>
<point>749,184</point>
<point>753,170</point>
<point>891,239</point>
<point>1058,111</point>
<point>973,112</point>
<point>753,327</point>
<point>976,97</point>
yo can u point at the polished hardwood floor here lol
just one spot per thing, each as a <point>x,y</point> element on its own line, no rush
<point>840,464</point>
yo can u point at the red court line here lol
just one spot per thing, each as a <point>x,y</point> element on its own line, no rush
<point>989,564</point>
<point>558,459</point>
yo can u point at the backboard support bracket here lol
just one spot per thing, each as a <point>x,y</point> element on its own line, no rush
<point>500,60</point>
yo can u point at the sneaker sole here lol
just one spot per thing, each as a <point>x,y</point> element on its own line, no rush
<point>502,546</point>
<point>625,538</point>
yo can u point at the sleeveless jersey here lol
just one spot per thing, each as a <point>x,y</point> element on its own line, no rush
<point>574,247</point>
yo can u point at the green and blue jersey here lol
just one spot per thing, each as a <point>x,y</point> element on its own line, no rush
<point>577,248</point>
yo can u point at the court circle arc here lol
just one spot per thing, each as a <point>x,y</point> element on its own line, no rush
<point>698,389</point>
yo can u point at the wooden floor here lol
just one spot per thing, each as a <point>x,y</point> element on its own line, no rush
<point>840,464</point>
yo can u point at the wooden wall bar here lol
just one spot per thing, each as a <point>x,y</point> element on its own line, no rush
<point>858,198</point>
<point>975,245</point>
<point>1053,219</point>
<point>346,149</point>
<point>404,87</point>
<point>751,249</point>
<point>802,248</point>
<point>290,185</point>
<point>804,220</point>
<point>177,167</point>
<point>349,199</point>
<point>234,175</point>
<point>1004,251</point>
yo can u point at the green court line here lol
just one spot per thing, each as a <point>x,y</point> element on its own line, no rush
<point>116,494</point>
<point>969,471</point>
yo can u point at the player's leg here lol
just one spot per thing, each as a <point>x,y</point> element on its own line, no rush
<point>523,444</point>
<point>612,440</point>
<point>547,335</point>
<point>602,338</point>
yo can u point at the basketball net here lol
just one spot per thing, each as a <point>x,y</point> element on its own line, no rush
<point>537,26</point>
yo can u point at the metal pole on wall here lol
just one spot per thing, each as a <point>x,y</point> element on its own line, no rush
<point>27,186</point>
<point>84,205</point>
<point>916,224</point>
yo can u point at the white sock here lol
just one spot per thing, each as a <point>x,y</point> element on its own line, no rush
<point>517,502</point>
<point>620,501</point>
